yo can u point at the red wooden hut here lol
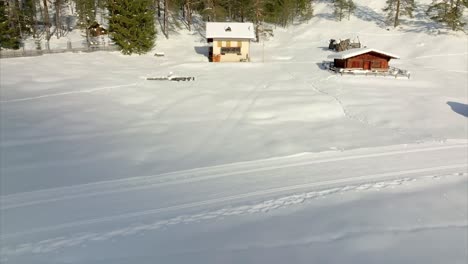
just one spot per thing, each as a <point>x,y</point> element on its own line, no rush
<point>363,59</point>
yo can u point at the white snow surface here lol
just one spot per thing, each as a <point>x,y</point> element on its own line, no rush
<point>273,161</point>
<point>229,30</point>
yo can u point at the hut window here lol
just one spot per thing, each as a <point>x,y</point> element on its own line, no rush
<point>239,44</point>
<point>228,43</point>
<point>232,50</point>
<point>220,43</point>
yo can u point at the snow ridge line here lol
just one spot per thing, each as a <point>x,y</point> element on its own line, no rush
<point>54,244</point>
<point>232,198</point>
<point>67,93</point>
<point>173,178</point>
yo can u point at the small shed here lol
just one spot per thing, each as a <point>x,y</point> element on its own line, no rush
<point>96,30</point>
<point>230,41</point>
<point>363,59</point>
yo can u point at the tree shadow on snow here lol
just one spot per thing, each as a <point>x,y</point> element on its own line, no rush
<point>367,14</point>
<point>328,16</point>
<point>421,23</point>
<point>459,108</point>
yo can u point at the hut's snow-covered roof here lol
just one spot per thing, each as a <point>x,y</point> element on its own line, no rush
<point>230,30</point>
<point>356,52</point>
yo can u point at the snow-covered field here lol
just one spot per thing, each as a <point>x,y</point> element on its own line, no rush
<point>272,161</point>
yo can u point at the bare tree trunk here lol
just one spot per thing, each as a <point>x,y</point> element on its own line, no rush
<point>17,8</point>
<point>159,8</point>
<point>188,14</point>
<point>166,18</point>
<point>184,12</point>
<point>214,11</point>
<point>34,20</point>
<point>41,12</point>
<point>58,26</point>
<point>95,9</point>
<point>397,14</point>
<point>210,5</point>
<point>189,20</point>
<point>70,5</point>
<point>258,16</point>
<point>47,22</point>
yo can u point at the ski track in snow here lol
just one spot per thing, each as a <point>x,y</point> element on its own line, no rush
<point>77,239</point>
<point>238,197</point>
<point>68,93</point>
<point>181,177</point>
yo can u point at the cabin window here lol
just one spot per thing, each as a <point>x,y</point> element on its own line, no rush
<point>231,50</point>
<point>228,43</point>
<point>220,44</point>
<point>239,44</point>
<point>376,64</point>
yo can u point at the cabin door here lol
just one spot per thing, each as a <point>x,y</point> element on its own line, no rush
<point>367,65</point>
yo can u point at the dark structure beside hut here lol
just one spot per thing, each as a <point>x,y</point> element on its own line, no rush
<point>96,30</point>
<point>363,59</point>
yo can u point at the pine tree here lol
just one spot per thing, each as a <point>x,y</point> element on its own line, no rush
<point>283,12</point>
<point>86,17</point>
<point>350,8</point>
<point>339,8</point>
<point>280,12</point>
<point>342,8</point>
<point>449,12</point>
<point>303,9</point>
<point>397,8</point>
<point>9,34</point>
<point>25,16</point>
<point>131,25</point>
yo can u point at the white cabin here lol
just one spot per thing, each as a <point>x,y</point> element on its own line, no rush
<point>230,41</point>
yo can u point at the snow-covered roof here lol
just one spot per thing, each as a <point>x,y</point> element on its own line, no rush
<point>230,30</point>
<point>355,52</point>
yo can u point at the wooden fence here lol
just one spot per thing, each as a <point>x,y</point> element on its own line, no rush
<point>32,53</point>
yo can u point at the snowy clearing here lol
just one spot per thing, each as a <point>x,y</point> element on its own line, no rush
<point>272,161</point>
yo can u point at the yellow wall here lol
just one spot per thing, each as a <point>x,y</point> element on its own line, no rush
<point>245,49</point>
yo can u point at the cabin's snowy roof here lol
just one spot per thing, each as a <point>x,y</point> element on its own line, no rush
<point>230,30</point>
<point>355,52</point>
